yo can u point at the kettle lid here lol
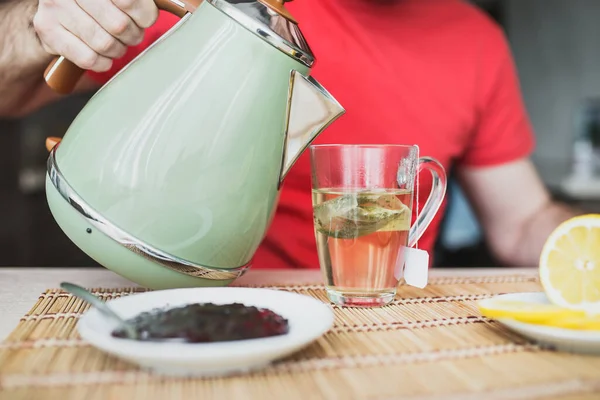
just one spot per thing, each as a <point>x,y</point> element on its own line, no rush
<point>272,22</point>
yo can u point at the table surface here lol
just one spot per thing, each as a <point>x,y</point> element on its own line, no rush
<point>21,286</point>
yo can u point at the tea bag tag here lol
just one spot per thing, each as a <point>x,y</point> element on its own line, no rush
<point>416,267</point>
<point>416,261</point>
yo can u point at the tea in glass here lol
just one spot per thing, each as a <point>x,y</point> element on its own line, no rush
<point>362,220</point>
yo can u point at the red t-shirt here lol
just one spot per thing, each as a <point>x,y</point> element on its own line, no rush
<point>437,73</point>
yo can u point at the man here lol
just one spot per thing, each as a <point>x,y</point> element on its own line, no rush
<point>437,73</point>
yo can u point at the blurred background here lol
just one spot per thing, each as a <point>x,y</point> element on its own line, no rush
<point>555,45</point>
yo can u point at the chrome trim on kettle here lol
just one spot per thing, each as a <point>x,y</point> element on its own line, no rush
<point>269,26</point>
<point>131,243</point>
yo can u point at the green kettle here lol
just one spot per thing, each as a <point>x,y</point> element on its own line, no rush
<point>170,174</point>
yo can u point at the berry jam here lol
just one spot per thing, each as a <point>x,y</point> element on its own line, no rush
<point>201,323</point>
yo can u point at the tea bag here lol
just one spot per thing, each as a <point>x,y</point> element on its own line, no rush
<point>359,214</point>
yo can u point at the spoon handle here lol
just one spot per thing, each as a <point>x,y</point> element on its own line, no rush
<point>85,295</point>
<point>98,304</point>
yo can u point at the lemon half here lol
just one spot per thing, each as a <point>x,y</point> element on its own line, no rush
<point>570,264</point>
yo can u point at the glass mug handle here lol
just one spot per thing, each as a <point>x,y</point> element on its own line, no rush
<point>434,201</point>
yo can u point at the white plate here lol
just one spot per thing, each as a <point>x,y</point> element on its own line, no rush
<point>569,340</point>
<point>308,319</point>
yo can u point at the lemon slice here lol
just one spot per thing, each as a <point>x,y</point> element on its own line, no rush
<point>570,264</point>
<point>535,313</point>
<point>577,323</point>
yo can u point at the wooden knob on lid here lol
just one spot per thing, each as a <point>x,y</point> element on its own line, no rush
<point>279,8</point>
<point>51,142</point>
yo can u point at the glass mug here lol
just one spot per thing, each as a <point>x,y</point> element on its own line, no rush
<point>362,209</point>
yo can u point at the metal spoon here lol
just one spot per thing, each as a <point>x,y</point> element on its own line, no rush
<point>83,294</point>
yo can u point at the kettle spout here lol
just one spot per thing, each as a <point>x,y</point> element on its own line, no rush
<point>310,110</point>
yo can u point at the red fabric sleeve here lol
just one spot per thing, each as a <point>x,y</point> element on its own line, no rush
<point>164,22</point>
<point>502,132</point>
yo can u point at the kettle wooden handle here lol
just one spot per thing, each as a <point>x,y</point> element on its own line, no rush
<point>62,75</point>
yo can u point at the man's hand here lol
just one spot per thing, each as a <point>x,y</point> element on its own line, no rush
<point>22,58</point>
<point>91,33</point>
<point>515,210</point>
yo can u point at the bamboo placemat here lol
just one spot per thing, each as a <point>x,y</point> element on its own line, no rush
<point>430,343</point>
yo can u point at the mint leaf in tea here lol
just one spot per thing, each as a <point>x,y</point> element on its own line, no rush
<point>352,215</point>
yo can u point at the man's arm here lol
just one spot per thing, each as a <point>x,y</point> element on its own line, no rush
<point>514,208</point>
<point>23,61</point>
<point>90,33</point>
<point>22,58</point>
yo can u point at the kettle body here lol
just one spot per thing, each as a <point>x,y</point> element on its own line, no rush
<point>170,174</point>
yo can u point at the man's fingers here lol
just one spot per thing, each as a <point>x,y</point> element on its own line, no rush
<point>91,33</point>
<point>114,20</point>
<point>72,48</point>
<point>143,12</point>
<point>80,24</point>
